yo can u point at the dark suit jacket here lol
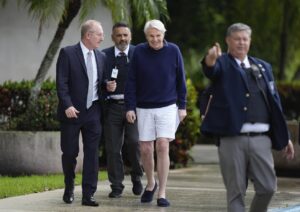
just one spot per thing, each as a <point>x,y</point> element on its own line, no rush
<point>72,80</point>
<point>226,115</point>
<point>111,60</point>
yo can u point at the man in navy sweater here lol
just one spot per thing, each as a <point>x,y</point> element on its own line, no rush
<point>155,94</point>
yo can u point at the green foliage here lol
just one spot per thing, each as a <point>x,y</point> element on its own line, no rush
<point>188,131</point>
<point>13,104</point>
<point>192,60</point>
<point>13,107</point>
<point>289,94</point>
<point>198,24</point>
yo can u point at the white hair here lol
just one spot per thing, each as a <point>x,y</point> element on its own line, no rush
<point>157,24</point>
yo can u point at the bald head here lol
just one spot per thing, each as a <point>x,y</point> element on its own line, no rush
<point>92,34</point>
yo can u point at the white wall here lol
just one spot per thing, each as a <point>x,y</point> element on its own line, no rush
<point>21,52</point>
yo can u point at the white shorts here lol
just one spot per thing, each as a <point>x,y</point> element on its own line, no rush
<point>156,123</point>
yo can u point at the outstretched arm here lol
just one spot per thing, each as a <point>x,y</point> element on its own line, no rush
<point>212,55</point>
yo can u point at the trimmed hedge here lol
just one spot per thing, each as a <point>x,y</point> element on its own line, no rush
<point>15,116</point>
<point>13,107</point>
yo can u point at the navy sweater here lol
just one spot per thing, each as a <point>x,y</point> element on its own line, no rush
<point>156,78</point>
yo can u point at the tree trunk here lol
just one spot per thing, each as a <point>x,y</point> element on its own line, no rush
<point>72,8</point>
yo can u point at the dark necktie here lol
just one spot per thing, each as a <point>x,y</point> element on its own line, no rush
<point>243,66</point>
<point>122,59</point>
<point>122,54</point>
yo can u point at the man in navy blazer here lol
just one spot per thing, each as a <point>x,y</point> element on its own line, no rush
<point>118,132</point>
<point>79,75</point>
<point>243,111</point>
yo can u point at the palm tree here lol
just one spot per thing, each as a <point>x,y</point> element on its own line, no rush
<point>67,10</point>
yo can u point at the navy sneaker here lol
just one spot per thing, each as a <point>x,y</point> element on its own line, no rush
<point>148,195</point>
<point>162,202</point>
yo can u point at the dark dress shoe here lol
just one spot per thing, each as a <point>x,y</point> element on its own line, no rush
<point>68,197</point>
<point>148,195</point>
<point>89,201</point>
<point>137,187</point>
<point>115,194</point>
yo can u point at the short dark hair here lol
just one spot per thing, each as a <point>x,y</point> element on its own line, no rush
<point>120,24</point>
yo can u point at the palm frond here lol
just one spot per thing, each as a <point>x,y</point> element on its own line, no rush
<point>149,9</point>
<point>2,3</point>
<point>86,7</point>
<point>119,10</point>
<point>44,10</point>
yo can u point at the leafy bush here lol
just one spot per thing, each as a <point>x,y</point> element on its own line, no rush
<point>289,95</point>
<point>15,116</point>
<point>188,131</point>
<point>13,107</point>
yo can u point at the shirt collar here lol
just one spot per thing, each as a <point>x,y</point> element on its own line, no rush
<point>117,51</point>
<point>84,49</point>
<point>245,61</point>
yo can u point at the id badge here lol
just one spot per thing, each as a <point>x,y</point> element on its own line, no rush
<point>114,73</point>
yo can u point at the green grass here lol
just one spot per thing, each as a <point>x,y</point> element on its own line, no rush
<point>15,186</point>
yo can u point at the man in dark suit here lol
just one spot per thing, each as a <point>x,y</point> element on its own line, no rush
<point>78,79</point>
<point>117,131</point>
<point>244,113</point>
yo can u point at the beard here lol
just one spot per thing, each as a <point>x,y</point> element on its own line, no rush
<point>122,45</point>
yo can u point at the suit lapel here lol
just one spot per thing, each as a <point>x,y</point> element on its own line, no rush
<point>130,52</point>
<point>261,69</point>
<point>99,63</point>
<point>81,57</point>
<point>236,67</point>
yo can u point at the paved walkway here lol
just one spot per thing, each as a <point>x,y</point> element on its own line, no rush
<point>198,188</point>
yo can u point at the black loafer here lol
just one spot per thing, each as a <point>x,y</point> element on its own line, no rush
<point>137,187</point>
<point>68,197</point>
<point>89,201</point>
<point>162,202</point>
<point>148,195</point>
<point>115,194</point>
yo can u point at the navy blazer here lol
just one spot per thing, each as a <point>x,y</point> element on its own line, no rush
<point>226,112</point>
<point>72,80</point>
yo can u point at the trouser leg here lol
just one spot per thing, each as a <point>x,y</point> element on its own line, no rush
<point>91,135</point>
<point>133,150</point>
<point>233,164</point>
<point>262,172</point>
<point>113,144</point>
<point>70,149</point>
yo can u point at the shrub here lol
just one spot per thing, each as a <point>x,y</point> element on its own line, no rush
<point>188,131</point>
<point>13,107</point>
<point>15,116</point>
<point>289,95</point>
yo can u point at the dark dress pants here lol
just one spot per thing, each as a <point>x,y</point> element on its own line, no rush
<point>90,128</point>
<point>117,131</point>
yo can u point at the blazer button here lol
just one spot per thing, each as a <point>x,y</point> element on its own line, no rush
<point>247,95</point>
<point>245,108</point>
